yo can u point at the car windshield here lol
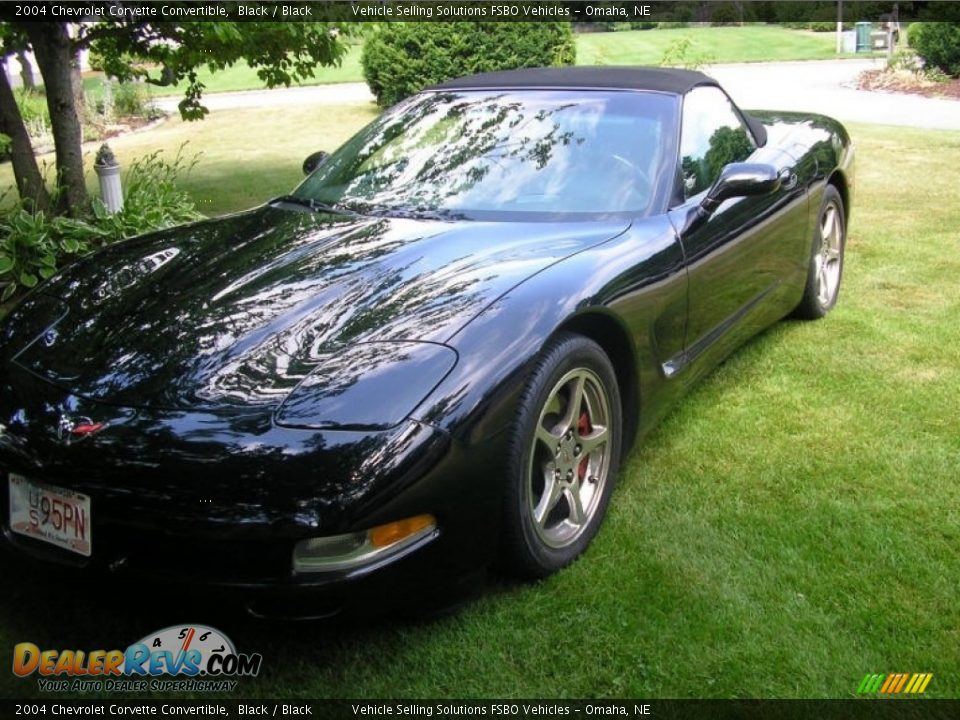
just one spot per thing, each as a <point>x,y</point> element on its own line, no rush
<point>489,154</point>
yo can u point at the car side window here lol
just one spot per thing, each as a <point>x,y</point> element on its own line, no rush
<point>711,136</point>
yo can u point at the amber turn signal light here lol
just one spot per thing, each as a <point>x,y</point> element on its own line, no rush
<point>386,535</point>
<point>354,550</point>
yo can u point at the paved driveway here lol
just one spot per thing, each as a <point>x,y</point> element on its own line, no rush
<point>829,87</point>
<point>825,86</point>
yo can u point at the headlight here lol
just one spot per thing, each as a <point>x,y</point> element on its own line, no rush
<point>345,552</point>
<point>368,386</point>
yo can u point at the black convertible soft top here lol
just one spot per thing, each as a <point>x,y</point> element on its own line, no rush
<point>622,77</point>
<point>668,80</point>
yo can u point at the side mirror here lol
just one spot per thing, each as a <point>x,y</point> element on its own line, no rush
<point>314,160</point>
<point>739,180</point>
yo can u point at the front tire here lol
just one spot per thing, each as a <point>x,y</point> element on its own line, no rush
<point>826,262</point>
<point>563,458</point>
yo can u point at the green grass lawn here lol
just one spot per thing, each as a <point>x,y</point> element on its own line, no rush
<point>790,527</point>
<point>725,44</point>
<point>241,76</point>
<point>237,169</point>
<point>750,43</point>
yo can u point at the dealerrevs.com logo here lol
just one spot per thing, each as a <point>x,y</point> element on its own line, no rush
<point>198,658</point>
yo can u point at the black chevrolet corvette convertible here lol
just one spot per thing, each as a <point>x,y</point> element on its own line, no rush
<point>429,358</point>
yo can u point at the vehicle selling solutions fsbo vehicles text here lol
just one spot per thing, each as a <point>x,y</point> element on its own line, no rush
<point>493,11</point>
<point>494,709</point>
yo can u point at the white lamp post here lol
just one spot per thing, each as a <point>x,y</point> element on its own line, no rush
<point>839,26</point>
<point>108,172</point>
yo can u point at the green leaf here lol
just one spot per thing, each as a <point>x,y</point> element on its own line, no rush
<point>47,272</point>
<point>8,292</point>
<point>6,264</point>
<point>28,279</point>
<point>48,260</point>
<point>70,245</point>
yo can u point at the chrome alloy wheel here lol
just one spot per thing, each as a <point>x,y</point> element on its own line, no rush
<point>570,458</point>
<point>827,262</point>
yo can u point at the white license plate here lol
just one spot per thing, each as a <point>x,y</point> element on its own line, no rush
<point>55,515</point>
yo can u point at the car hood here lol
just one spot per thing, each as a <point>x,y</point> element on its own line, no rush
<point>239,309</point>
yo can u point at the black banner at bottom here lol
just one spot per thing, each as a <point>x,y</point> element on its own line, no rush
<point>873,708</point>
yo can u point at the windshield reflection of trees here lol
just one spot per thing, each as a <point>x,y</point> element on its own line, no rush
<point>452,153</point>
<point>727,145</point>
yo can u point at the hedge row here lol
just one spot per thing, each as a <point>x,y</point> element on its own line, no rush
<point>403,58</point>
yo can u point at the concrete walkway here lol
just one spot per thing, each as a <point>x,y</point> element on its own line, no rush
<point>823,86</point>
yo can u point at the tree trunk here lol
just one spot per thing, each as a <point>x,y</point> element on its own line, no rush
<point>26,71</point>
<point>76,81</point>
<point>54,52</point>
<point>29,180</point>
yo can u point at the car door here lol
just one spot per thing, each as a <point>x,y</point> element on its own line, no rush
<point>736,259</point>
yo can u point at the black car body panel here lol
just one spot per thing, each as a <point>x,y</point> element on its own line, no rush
<point>201,316</point>
<point>215,356</point>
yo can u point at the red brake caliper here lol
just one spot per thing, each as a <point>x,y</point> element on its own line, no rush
<point>584,428</point>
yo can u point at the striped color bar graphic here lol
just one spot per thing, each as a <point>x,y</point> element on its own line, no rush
<point>893,683</point>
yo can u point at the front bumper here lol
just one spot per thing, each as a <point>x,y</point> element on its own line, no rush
<point>220,498</point>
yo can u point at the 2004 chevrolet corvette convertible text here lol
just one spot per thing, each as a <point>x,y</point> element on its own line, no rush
<point>433,354</point>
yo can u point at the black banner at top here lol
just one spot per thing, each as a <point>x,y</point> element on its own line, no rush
<point>578,11</point>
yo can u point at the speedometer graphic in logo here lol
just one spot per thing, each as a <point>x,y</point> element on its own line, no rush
<point>187,649</point>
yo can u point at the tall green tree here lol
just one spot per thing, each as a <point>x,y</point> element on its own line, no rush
<point>26,173</point>
<point>161,53</point>
<point>53,48</point>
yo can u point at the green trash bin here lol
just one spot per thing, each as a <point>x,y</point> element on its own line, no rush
<point>863,30</point>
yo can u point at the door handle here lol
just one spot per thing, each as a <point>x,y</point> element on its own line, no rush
<point>788,179</point>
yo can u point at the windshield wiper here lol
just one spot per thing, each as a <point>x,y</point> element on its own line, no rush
<point>314,205</point>
<point>416,213</point>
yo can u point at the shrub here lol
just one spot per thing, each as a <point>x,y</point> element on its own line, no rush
<point>904,61</point>
<point>33,106</point>
<point>36,116</point>
<point>131,99</point>
<point>151,198</point>
<point>400,59</point>
<point>938,43</point>
<point>120,101</point>
<point>33,244</point>
<point>678,52</point>
<point>95,59</point>
<point>724,13</point>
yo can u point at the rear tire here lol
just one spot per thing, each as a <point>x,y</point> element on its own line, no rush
<point>564,454</point>
<point>826,260</point>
